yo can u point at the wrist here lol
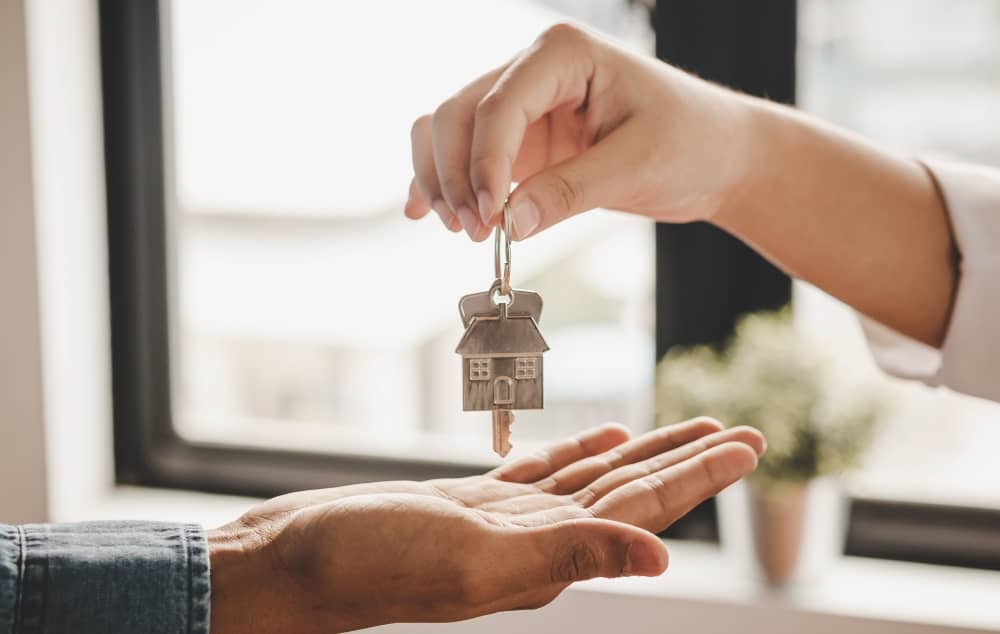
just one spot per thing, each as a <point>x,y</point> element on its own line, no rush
<point>758,132</point>
<point>242,584</point>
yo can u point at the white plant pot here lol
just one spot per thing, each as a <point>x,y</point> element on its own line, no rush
<point>789,535</point>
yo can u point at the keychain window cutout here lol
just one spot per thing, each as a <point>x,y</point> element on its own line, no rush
<point>479,369</point>
<point>526,370</point>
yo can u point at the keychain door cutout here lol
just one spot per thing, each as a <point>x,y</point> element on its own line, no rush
<point>503,391</point>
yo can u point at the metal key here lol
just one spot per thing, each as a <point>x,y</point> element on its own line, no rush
<point>502,348</point>
<point>502,420</point>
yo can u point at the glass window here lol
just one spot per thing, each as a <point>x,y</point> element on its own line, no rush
<point>306,312</point>
<point>921,77</point>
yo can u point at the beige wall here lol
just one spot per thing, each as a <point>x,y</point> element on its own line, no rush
<point>55,394</point>
<point>22,448</point>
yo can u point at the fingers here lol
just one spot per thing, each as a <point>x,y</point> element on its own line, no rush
<point>416,207</point>
<point>451,136</point>
<point>623,475</point>
<point>588,180</point>
<point>425,177</point>
<point>451,139</point>
<point>584,468</point>
<point>575,550</point>
<point>441,160</point>
<point>659,499</point>
<point>536,467</point>
<point>465,154</point>
<point>554,72</point>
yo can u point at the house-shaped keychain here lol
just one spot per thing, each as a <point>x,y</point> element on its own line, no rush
<point>502,358</point>
<point>502,362</point>
<point>502,346</point>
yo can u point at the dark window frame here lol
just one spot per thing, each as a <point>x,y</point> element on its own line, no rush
<point>748,46</point>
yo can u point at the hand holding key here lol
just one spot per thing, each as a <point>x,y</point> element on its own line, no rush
<point>339,559</point>
<point>580,123</point>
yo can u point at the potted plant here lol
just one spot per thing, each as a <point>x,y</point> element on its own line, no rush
<point>770,377</point>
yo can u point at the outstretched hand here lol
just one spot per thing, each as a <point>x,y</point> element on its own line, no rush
<point>443,550</point>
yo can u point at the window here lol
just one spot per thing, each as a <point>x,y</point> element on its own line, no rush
<point>479,369</point>
<point>526,369</point>
<point>277,324</point>
<point>920,77</point>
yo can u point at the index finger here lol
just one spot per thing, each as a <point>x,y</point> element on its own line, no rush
<point>554,72</point>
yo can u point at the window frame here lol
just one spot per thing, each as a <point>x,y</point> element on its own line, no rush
<point>758,57</point>
<point>147,449</point>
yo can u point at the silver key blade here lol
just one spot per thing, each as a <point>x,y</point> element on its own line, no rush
<point>502,420</point>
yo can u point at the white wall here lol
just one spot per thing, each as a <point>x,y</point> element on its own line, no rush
<point>71,229</point>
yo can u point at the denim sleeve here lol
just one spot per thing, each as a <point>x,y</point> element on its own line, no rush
<point>104,577</point>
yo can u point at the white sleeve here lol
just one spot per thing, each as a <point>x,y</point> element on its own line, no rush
<point>969,360</point>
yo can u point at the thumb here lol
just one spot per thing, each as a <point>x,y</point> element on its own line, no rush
<point>580,549</point>
<point>603,174</point>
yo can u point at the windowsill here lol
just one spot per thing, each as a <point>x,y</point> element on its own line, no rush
<point>705,589</point>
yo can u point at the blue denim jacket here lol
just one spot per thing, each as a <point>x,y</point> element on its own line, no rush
<point>104,577</point>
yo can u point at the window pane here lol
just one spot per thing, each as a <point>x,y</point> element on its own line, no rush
<point>922,77</point>
<point>307,312</point>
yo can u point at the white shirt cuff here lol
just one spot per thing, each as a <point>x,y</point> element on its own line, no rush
<point>969,360</point>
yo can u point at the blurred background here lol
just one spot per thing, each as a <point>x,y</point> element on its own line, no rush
<point>210,287</point>
<point>302,293</point>
<point>303,297</point>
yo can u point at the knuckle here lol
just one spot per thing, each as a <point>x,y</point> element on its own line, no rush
<point>613,458</point>
<point>661,493</point>
<point>450,186</point>
<point>576,561</point>
<point>565,191</point>
<point>563,33</point>
<point>710,473</point>
<point>484,166</point>
<point>490,105</point>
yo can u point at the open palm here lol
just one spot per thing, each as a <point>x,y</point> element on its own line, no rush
<point>515,537</point>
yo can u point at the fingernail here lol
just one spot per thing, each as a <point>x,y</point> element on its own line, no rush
<point>485,205</point>
<point>469,220</point>
<point>524,217</point>
<point>644,560</point>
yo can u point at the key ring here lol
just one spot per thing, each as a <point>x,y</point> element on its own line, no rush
<point>505,279</point>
